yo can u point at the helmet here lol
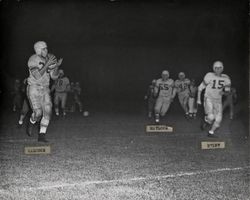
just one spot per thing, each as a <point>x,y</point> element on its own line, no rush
<point>165,72</point>
<point>181,75</point>
<point>218,66</point>
<point>153,81</point>
<point>38,46</point>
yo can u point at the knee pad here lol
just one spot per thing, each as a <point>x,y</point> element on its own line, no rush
<point>38,113</point>
<point>218,120</point>
<point>47,111</point>
<point>210,117</point>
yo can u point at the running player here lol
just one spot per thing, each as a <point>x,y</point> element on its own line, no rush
<point>214,84</point>
<point>182,87</point>
<point>165,92</point>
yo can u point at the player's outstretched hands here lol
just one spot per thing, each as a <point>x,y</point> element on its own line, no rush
<point>51,61</point>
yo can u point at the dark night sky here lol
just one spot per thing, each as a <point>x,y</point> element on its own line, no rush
<point>115,49</point>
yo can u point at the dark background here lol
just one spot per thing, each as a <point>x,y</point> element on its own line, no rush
<point>116,48</point>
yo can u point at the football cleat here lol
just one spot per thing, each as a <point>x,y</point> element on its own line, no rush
<point>212,135</point>
<point>41,138</point>
<point>30,129</point>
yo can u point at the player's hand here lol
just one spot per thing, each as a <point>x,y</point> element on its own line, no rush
<point>199,102</point>
<point>51,61</point>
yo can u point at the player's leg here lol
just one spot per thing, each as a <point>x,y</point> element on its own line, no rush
<point>34,98</point>
<point>209,116</point>
<point>231,107</point>
<point>24,111</point>
<point>165,107</point>
<point>183,102</point>
<point>79,103</point>
<point>191,106</point>
<point>151,104</point>
<point>47,110</point>
<point>157,109</point>
<point>56,103</point>
<point>218,117</point>
<point>63,102</point>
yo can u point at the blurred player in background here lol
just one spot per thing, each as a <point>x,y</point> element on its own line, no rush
<point>25,106</point>
<point>77,95</point>
<point>150,99</point>
<point>70,104</point>
<point>192,110</point>
<point>17,95</point>
<point>165,92</point>
<point>61,88</point>
<point>215,84</point>
<point>42,67</point>
<point>182,87</point>
<point>229,101</point>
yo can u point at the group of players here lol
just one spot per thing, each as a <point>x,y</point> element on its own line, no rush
<point>217,85</point>
<point>43,67</point>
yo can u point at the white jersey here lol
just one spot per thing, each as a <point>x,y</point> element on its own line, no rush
<point>182,85</point>
<point>165,88</point>
<point>62,84</point>
<point>215,84</point>
<point>37,62</point>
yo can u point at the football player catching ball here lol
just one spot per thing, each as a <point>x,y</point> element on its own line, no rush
<point>215,84</point>
<point>42,67</point>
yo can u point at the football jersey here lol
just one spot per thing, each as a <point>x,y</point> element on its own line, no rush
<point>38,62</point>
<point>182,85</point>
<point>193,90</point>
<point>215,84</point>
<point>165,87</point>
<point>61,84</point>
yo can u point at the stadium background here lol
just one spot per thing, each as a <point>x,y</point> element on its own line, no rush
<point>116,48</point>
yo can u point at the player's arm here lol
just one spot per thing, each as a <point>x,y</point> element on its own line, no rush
<point>67,85</point>
<point>39,72</point>
<point>174,92</point>
<point>201,87</point>
<point>156,89</point>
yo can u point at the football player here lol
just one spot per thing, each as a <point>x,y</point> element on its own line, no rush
<point>230,100</point>
<point>17,95</point>
<point>150,98</point>
<point>214,83</point>
<point>25,107</point>
<point>165,92</point>
<point>42,67</point>
<point>61,87</point>
<point>182,88</point>
<point>77,95</point>
<point>192,110</point>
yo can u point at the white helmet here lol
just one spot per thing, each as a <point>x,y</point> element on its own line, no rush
<point>218,64</point>
<point>165,72</point>
<point>38,46</point>
<point>181,75</point>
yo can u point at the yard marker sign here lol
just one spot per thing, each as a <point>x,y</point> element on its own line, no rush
<point>159,129</point>
<point>213,145</point>
<point>37,150</point>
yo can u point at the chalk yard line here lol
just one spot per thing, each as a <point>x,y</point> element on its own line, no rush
<point>135,179</point>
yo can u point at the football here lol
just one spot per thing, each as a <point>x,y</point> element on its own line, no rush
<point>85,113</point>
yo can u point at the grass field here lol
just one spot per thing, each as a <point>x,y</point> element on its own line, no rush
<point>110,156</point>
